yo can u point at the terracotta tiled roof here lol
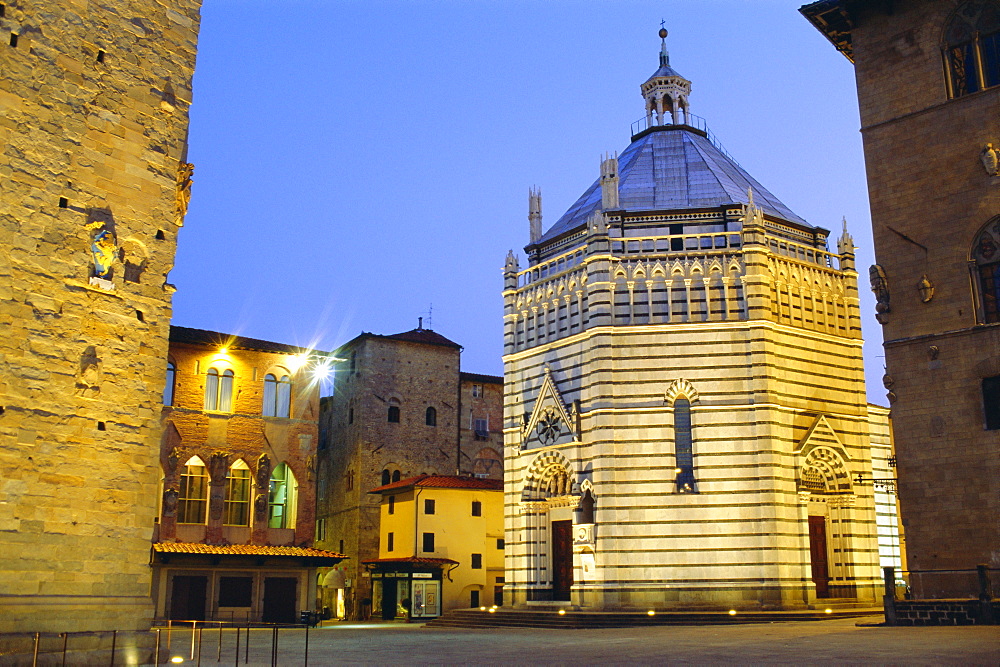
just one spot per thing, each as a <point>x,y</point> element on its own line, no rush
<point>241,550</point>
<point>424,336</point>
<point>218,339</point>
<point>442,482</point>
<point>414,560</point>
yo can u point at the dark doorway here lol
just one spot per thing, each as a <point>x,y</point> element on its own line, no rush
<point>817,555</point>
<point>279,600</point>
<point>562,559</point>
<point>388,599</point>
<point>187,601</point>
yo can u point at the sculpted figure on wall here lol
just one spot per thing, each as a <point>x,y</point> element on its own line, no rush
<point>182,196</point>
<point>991,160</point>
<point>880,286</point>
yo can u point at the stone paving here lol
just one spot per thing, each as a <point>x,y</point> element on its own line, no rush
<point>837,641</point>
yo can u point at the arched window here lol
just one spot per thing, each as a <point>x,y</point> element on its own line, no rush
<point>393,415</point>
<point>986,256</point>
<point>277,396</point>
<point>219,390</point>
<point>683,450</point>
<point>192,500</point>
<point>237,495</point>
<point>386,476</point>
<point>168,385</point>
<point>431,417</point>
<point>972,48</point>
<point>586,508</point>
<point>282,498</point>
<point>395,475</point>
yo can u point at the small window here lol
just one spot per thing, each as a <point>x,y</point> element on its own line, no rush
<point>235,591</point>
<point>168,385</point>
<point>192,498</point>
<point>349,480</point>
<point>321,530</point>
<point>393,416</point>
<point>277,396</point>
<point>395,475</point>
<point>991,402</point>
<point>390,541</point>
<point>219,390</point>
<point>237,503</point>
<point>429,506</point>
<point>500,543</point>
<point>392,504</point>
<point>477,391</point>
<point>350,415</point>
<point>354,361</point>
<point>474,598</point>
<point>385,477</point>
<point>428,543</point>
<point>482,429</point>
<point>986,255</point>
<point>431,417</point>
<point>282,498</point>
<point>477,508</point>
<point>683,448</point>
<point>477,561</point>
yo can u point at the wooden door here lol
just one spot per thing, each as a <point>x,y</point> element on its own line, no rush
<point>187,601</point>
<point>817,555</point>
<point>279,600</point>
<point>562,559</point>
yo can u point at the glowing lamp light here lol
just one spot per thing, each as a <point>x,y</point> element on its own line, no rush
<point>177,660</point>
<point>651,613</point>
<point>732,612</point>
<point>482,609</point>
<point>222,350</point>
<point>677,471</point>
<point>493,611</point>
<point>322,370</point>
<point>562,612</point>
<point>828,611</point>
<point>298,361</point>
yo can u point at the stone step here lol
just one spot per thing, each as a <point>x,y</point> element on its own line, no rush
<point>476,618</point>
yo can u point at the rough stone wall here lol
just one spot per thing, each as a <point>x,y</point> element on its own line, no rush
<point>482,455</point>
<point>925,218</point>
<point>413,376</point>
<point>94,103</point>
<point>220,439</point>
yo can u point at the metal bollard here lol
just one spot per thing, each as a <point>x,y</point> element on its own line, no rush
<point>238,628</point>
<point>114,646</point>
<point>34,655</point>
<point>65,636</point>
<point>156,651</point>
<point>306,656</point>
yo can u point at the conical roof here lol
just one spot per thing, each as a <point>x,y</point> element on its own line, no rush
<point>674,167</point>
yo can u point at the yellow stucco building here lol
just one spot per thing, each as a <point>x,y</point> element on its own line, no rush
<point>441,546</point>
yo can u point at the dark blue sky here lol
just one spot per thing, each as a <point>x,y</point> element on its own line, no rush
<point>357,162</point>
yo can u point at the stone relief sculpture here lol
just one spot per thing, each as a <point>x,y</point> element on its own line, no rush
<point>990,158</point>
<point>182,196</point>
<point>926,289</point>
<point>880,286</point>
<point>263,472</point>
<point>170,502</point>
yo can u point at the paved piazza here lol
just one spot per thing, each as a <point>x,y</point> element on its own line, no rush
<point>838,641</point>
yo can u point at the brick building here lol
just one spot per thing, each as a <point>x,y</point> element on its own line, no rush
<point>401,407</point>
<point>928,79</point>
<point>238,504</point>
<point>94,102</point>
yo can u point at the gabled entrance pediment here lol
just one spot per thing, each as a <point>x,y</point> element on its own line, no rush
<point>550,422</point>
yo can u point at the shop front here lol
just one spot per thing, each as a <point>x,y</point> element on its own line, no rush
<point>407,588</point>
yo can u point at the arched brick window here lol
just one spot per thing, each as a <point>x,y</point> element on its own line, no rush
<point>986,267</point>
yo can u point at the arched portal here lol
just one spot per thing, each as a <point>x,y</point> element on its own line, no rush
<point>548,502</point>
<point>824,484</point>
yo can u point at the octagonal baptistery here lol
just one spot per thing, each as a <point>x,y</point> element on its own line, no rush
<point>685,412</point>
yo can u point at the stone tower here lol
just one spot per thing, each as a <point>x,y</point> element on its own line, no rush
<point>95,184</point>
<point>928,79</point>
<point>685,410</point>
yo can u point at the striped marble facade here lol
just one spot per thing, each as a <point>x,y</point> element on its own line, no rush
<point>753,324</point>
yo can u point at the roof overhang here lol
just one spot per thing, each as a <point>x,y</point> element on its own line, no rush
<point>242,554</point>
<point>833,19</point>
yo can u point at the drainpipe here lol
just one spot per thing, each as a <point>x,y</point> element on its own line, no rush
<point>458,428</point>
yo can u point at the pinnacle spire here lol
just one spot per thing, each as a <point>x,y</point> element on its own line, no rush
<point>664,56</point>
